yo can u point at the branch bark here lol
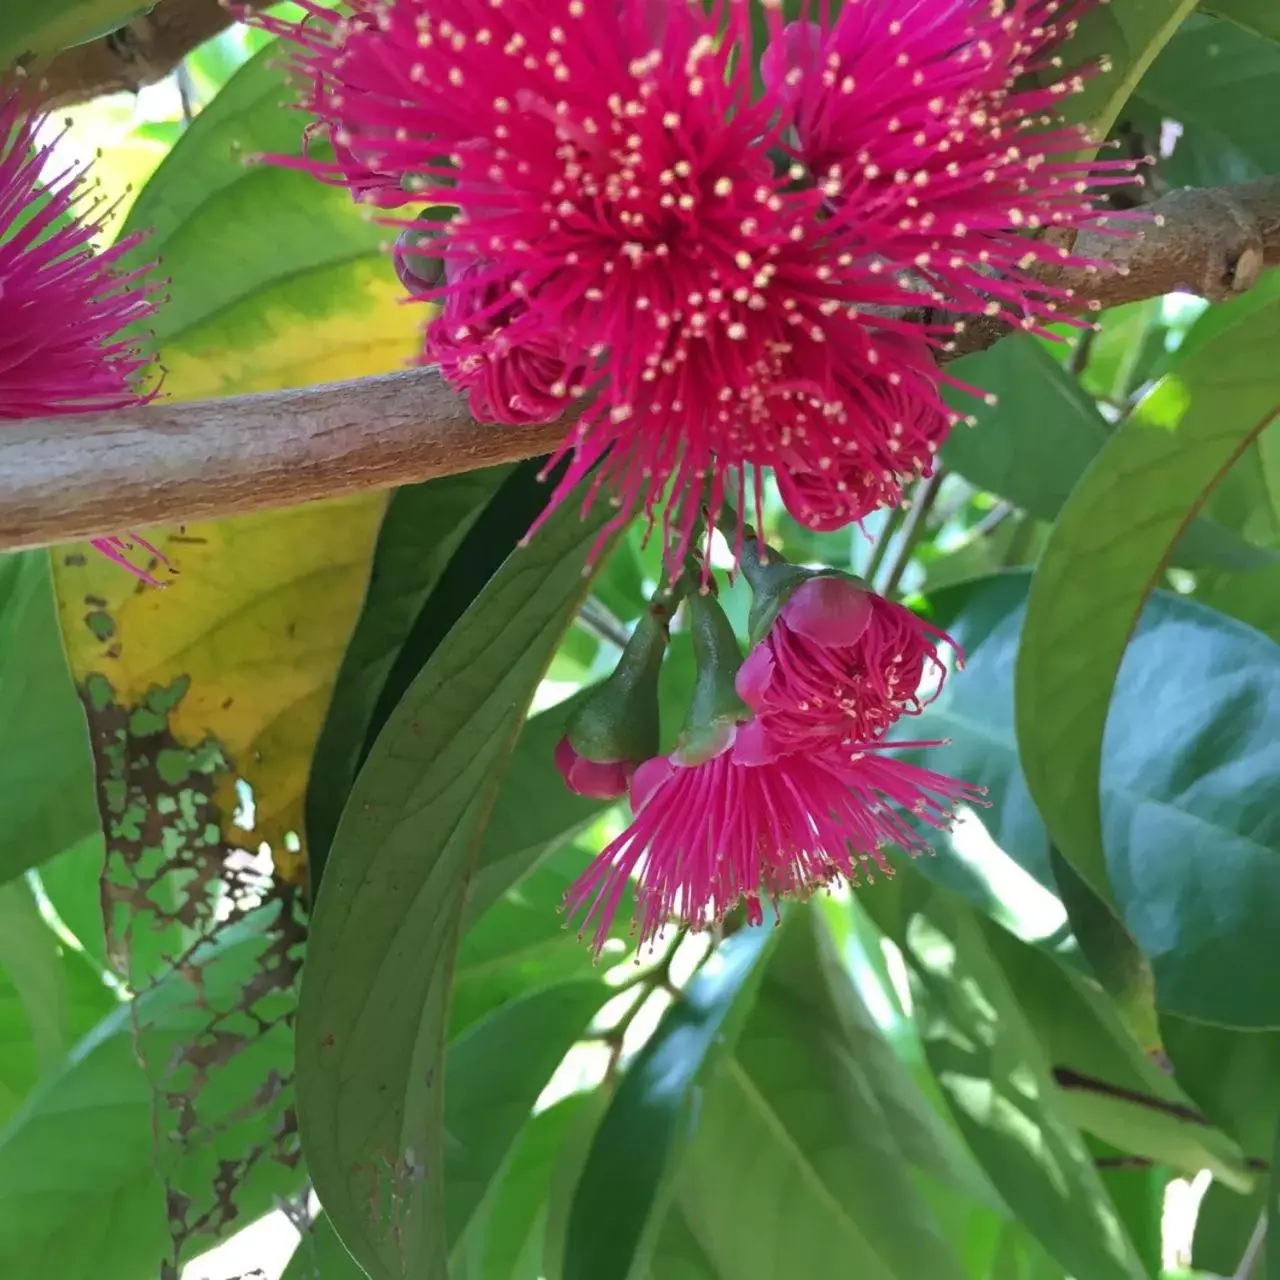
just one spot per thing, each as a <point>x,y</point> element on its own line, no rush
<point>72,478</point>
<point>138,54</point>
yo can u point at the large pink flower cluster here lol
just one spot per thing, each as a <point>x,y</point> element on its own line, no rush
<point>724,276</point>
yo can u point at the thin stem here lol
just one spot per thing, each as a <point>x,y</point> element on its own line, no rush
<point>1081,351</point>
<point>600,622</point>
<point>913,530</point>
<point>1253,1252</point>
<point>893,522</point>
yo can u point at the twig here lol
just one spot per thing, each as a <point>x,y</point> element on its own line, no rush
<point>598,619</point>
<point>917,521</point>
<point>63,479</point>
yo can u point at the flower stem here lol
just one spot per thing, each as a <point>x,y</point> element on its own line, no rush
<point>926,494</point>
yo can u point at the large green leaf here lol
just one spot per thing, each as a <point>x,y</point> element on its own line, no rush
<point>50,996</point>
<point>1191,844</point>
<point>628,1180</point>
<point>1110,1087</point>
<point>320,1256</point>
<point>422,528</point>
<point>80,1198</point>
<point>997,1081</point>
<point>505,1240</point>
<point>1106,553</point>
<point>1125,38</point>
<point>1209,78</point>
<point>1259,16</point>
<point>796,1131</point>
<point>1033,445</point>
<point>47,800</point>
<point>495,1072</point>
<point>374,1007</point>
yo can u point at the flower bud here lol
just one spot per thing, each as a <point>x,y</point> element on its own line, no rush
<point>616,727</point>
<point>716,710</point>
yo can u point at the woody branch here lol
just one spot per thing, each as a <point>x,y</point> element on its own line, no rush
<point>72,478</point>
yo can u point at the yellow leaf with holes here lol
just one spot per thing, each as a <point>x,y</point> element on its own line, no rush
<point>278,282</point>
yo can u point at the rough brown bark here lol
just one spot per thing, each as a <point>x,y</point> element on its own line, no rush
<point>62,479</point>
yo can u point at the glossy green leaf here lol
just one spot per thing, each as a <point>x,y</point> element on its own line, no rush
<point>1126,38</point>
<point>1209,77</point>
<point>495,1072</point>
<point>804,1084</point>
<point>47,802</point>
<point>1232,1076</point>
<point>1191,843</point>
<point>678,1255</point>
<point>1033,446</point>
<point>1104,556</point>
<point>997,1081</point>
<point>80,1197</point>
<point>422,528</point>
<point>1103,1072</point>
<point>1224,1225</point>
<point>505,1239</point>
<point>374,1006</point>
<point>320,1256</point>
<point>627,1181</point>
<point>50,996</point>
<point>1259,16</point>
<point>565,1175</point>
<point>521,942</point>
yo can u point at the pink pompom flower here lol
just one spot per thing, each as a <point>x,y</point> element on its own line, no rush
<point>65,308</point>
<point>840,662</point>
<point>746,825</point>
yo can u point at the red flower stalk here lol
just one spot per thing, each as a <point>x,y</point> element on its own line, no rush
<point>935,149</point>
<point>735,828</point>
<point>64,307</point>
<point>839,662</point>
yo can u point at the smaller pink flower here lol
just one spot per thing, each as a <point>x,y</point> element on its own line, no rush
<point>737,829</point>
<point>838,662</point>
<point>593,778</point>
<point>488,347</point>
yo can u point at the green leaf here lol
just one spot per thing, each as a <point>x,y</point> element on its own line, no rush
<point>1038,469</point>
<point>1225,1222</point>
<point>80,1198</point>
<point>997,1082</point>
<point>1128,36</point>
<point>50,996</point>
<point>804,1104</point>
<point>566,1173</point>
<point>1107,551</point>
<point>374,1007</point>
<point>321,1256</point>
<point>422,528</point>
<point>47,802</point>
<point>1233,1077</point>
<point>521,942</point>
<point>678,1255</point>
<point>1209,77</point>
<point>495,1072</point>
<point>628,1178</point>
<point>1259,16</point>
<point>1191,844</point>
<point>505,1239</point>
<point>45,26</point>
